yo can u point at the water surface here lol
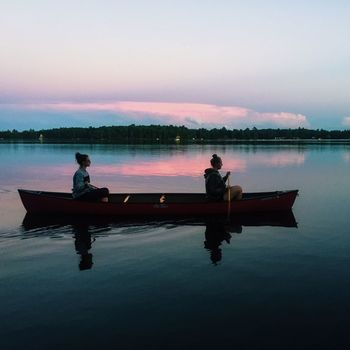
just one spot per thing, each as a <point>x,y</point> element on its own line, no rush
<point>253,282</point>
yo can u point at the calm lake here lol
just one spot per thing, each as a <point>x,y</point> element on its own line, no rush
<point>170,284</point>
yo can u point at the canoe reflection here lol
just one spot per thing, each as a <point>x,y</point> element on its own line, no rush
<point>218,230</point>
<point>41,224</point>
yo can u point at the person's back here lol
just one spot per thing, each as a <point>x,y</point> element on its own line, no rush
<point>214,184</point>
<point>81,180</point>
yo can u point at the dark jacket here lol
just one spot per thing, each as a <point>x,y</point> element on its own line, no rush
<point>214,184</point>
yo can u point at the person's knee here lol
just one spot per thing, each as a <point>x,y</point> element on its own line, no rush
<point>237,192</point>
<point>240,193</point>
<point>238,189</point>
<point>104,192</point>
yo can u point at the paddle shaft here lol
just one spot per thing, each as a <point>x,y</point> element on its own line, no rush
<point>229,196</point>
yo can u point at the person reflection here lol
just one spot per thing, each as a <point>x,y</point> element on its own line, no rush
<point>216,232</point>
<point>82,245</point>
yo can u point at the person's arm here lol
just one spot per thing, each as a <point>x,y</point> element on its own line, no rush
<point>226,176</point>
<point>87,182</point>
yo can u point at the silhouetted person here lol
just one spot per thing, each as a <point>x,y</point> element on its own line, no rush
<point>82,189</point>
<point>215,184</point>
<point>217,231</point>
<point>82,245</point>
<point>215,234</point>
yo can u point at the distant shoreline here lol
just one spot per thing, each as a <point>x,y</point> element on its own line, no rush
<point>202,142</point>
<point>170,134</point>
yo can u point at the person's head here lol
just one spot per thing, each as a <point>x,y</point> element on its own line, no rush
<point>82,159</point>
<point>85,262</point>
<point>216,162</point>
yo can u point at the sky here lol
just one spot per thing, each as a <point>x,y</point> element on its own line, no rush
<point>198,63</point>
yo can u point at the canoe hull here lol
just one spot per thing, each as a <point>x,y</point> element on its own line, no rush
<point>39,202</point>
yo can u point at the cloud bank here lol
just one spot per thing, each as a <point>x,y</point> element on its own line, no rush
<point>192,115</point>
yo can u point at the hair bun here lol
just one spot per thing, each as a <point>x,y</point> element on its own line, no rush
<point>79,157</point>
<point>215,156</point>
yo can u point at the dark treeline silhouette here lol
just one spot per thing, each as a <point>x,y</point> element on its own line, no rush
<point>168,133</point>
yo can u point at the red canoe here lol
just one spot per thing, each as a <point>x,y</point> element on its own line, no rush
<point>155,204</point>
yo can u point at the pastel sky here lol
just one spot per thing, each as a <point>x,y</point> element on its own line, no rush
<point>199,63</point>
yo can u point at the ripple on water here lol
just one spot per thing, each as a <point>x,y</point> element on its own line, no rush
<point>63,231</point>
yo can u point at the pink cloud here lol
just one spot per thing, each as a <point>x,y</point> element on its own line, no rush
<point>282,119</point>
<point>188,114</point>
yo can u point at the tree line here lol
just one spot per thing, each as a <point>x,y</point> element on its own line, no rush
<point>168,133</point>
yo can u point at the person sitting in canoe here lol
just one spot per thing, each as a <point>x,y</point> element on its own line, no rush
<point>215,184</point>
<point>82,189</point>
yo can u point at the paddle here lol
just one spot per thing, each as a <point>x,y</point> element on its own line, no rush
<point>229,197</point>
